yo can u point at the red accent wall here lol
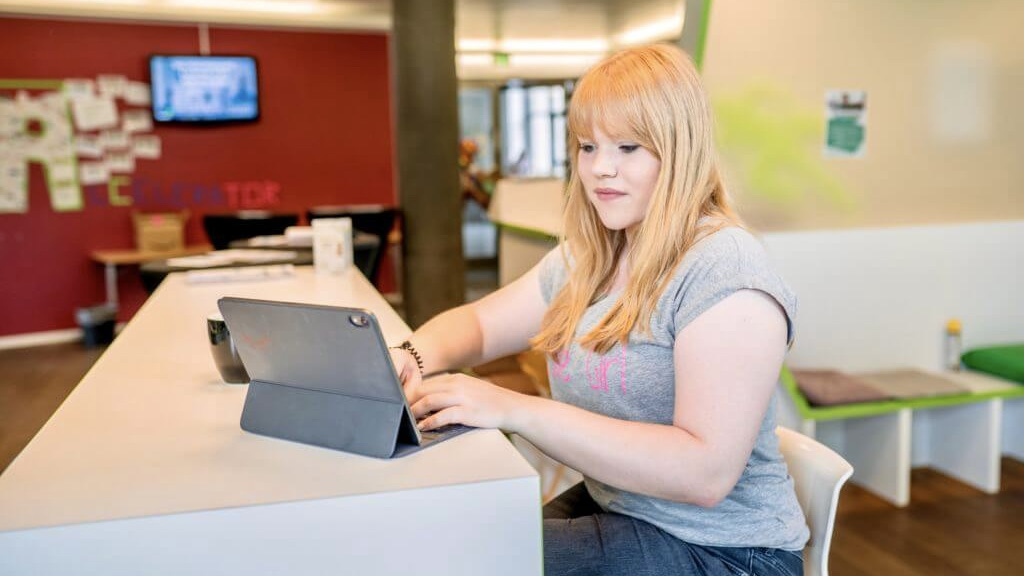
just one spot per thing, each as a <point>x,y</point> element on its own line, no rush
<point>324,137</point>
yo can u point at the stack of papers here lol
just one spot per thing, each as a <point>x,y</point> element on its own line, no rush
<point>270,241</point>
<point>229,257</point>
<point>299,235</point>
<point>247,274</point>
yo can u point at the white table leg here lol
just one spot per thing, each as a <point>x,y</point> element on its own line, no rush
<point>878,447</point>
<point>963,441</point>
<point>110,277</point>
<point>1013,427</point>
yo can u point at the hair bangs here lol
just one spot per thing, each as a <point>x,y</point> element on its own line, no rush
<point>602,100</point>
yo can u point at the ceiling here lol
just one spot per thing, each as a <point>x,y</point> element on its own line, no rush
<point>494,38</point>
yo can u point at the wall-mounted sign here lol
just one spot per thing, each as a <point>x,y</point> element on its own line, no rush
<point>845,119</point>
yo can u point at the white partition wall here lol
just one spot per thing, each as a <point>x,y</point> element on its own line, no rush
<point>872,299</point>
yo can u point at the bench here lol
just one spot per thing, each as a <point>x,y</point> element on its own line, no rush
<point>879,299</point>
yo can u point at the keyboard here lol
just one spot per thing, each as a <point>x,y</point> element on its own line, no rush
<point>444,432</point>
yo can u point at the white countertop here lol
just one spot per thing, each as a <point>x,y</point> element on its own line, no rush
<point>152,429</point>
<point>530,204</point>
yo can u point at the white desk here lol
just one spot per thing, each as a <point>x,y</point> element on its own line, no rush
<point>144,470</point>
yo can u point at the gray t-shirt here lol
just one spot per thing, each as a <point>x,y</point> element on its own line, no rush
<point>637,382</point>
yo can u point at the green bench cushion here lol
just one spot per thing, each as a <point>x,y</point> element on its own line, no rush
<point>1006,361</point>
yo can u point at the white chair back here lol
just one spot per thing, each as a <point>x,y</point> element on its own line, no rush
<point>818,476</point>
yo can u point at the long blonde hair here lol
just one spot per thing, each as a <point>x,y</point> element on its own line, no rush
<point>653,96</point>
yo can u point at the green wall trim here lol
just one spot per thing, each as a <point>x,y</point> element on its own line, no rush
<point>702,34</point>
<point>30,84</point>
<point>864,409</point>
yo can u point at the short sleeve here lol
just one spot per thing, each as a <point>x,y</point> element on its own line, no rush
<point>553,273</point>
<point>720,265</point>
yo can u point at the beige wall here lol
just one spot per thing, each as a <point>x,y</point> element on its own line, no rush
<point>893,50</point>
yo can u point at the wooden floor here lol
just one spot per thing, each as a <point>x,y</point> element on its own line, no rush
<point>33,383</point>
<point>948,528</point>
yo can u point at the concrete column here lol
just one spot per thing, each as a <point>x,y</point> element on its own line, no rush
<point>426,137</point>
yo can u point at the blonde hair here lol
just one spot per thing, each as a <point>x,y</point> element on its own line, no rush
<point>651,95</point>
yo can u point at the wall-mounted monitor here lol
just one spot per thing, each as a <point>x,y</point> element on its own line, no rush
<point>204,88</point>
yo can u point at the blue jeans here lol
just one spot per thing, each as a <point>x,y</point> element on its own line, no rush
<point>580,539</point>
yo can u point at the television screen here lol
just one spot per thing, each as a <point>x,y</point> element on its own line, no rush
<point>204,88</point>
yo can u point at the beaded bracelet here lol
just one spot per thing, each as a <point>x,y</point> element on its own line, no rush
<point>407,346</point>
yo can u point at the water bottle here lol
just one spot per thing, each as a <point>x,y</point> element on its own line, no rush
<point>953,346</point>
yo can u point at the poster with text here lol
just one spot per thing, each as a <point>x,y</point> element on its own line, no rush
<point>845,120</point>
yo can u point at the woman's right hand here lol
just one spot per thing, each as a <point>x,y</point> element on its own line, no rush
<point>407,369</point>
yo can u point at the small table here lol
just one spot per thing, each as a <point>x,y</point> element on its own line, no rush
<point>112,258</point>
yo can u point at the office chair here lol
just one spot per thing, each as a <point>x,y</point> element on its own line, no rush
<point>222,229</point>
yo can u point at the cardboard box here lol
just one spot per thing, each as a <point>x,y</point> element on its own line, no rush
<point>160,231</point>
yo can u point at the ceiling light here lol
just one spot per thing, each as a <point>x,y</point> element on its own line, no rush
<point>111,2</point>
<point>280,7</point>
<point>656,30</point>
<point>476,45</point>
<point>475,59</point>
<point>582,60</point>
<point>553,45</point>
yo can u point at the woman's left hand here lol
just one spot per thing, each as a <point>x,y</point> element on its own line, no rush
<point>462,399</point>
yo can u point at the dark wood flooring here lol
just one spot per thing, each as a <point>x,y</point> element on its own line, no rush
<point>33,383</point>
<point>949,529</point>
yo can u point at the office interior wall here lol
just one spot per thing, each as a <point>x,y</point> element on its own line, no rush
<point>324,138</point>
<point>945,128</point>
<point>880,298</point>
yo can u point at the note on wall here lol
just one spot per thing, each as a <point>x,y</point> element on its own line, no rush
<point>94,113</point>
<point>113,140</point>
<point>75,88</point>
<point>111,85</point>
<point>119,161</point>
<point>61,171</point>
<point>136,121</point>
<point>88,145</point>
<point>146,146</point>
<point>13,185</point>
<point>961,97</point>
<point>93,173</point>
<point>10,122</point>
<point>845,119</point>
<point>136,93</point>
<point>66,195</point>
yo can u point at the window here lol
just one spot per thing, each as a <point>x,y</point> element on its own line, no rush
<point>533,130</point>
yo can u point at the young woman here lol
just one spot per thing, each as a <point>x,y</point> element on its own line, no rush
<point>665,329</point>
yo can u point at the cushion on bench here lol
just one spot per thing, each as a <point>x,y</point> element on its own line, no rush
<point>908,383</point>
<point>832,388</point>
<point>1006,361</point>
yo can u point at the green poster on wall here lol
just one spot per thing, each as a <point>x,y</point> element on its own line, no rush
<point>845,116</point>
